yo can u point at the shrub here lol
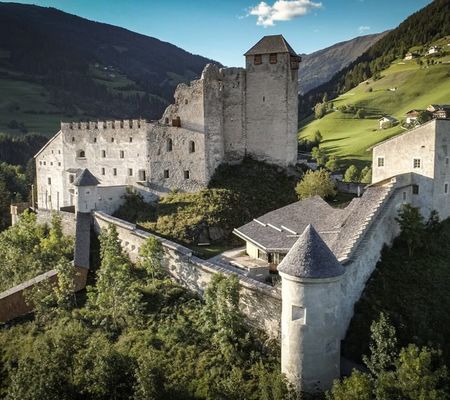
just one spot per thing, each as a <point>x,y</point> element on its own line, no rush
<point>316,183</point>
<point>351,174</point>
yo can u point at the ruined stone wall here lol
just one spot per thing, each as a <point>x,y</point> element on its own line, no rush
<point>233,95</point>
<point>260,303</point>
<point>441,187</point>
<point>214,137</point>
<point>188,106</point>
<point>171,152</point>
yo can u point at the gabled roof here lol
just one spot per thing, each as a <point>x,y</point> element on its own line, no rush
<point>271,44</point>
<point>311,258</point>
<point>47,144</point>
<point>86,179</point>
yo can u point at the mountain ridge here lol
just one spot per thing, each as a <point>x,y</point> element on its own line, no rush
<point>318,67</point>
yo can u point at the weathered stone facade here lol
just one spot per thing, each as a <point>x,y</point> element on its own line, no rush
<point>226,114</point>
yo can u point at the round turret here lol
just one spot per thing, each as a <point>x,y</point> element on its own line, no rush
<point>310,346</point>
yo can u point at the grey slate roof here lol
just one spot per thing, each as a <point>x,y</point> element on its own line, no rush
<point>82,240</point>
<point>310,257</point>
<point>86,179</point>
<point>279,230</point>
<point>271,44</point>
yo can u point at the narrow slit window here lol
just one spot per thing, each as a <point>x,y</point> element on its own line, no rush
<point>166,173</point>
<point>130,171</point>
<point>115,171</point>
<point>191,146</point>
<point>103,153</point>
<point>122,154</point>
<point>103,171</point>
<point>445,188</point>
<point>186,174</point>
<point>169,145</point>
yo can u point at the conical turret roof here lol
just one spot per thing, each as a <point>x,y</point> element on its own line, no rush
<point>86,179</point>
<point>311,258</point>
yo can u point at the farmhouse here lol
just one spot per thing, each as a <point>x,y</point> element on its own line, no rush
<point>412,116</point>
<point>387,122</point>
<point>410,56</point>
<point>433,50</point>
<point>440,111</point>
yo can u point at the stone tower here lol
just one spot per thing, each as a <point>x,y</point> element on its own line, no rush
<point>86,192</point>
<point>310,343</point>
<point>271,103</point>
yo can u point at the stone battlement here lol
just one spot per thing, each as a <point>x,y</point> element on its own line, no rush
<point>125,124</point>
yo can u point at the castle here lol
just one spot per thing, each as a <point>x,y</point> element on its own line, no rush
<point>324,255</point>
<point>225,115</point>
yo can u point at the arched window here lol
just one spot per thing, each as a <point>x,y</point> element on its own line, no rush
<point>81,154</point>
<point>191,146</point>
<point>169,145</point>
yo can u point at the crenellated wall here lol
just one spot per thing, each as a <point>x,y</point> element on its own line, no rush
<point>260,303</point>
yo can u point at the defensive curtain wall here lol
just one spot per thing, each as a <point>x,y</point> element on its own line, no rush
<point>260,303</point>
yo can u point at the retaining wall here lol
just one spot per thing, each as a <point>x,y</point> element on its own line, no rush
<point>260,303</point>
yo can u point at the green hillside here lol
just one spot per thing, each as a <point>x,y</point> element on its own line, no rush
<point>416,85</point>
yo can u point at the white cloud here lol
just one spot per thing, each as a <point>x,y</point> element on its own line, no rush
<point>281,10</point>
<point>363,28</point>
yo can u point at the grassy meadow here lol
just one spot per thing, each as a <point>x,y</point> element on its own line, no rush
<point>417,86</point>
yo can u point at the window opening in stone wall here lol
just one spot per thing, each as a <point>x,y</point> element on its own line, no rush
<point>273,58</point>
<point>416,163</point>
<point>166,120</point>
<point>142,175</point>
<point>186,101</point>
<point>95,140</point>
<point>49,181</point>
<point>191,146</point>
<point>130,171</point>
<point>166,173</point>
<point>186,174</point>
<point>404,196</point>
<point>114,171</point>
<point>122,154</point>
<point>169,145</point>
<point>59,164</point>
<point>103,153</point>
<point>112,140</point>
<point>73,138</point>
<point>103,171</point>
<point>380,161</point>
<point>257,60</point>
<point>445,188</point>
<point>81,154</point>
<point>131,139</point>
<point>71,178</point>
<point>415,189</point>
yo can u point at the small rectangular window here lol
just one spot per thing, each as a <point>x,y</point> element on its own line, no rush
<point>103,153</point>
<point>95,140</point>
<point>131,139</point>
<point>112,139</point>
<point>71,178</point>
<point>404,196</point>
<point>191,147</point>
<point>380,161</point>
<point>49,180</point>
<point>122,154</point>
<point>446,161</point>
<point>59,164</point>
<point>114,171</point>
<point>103,171</point>
<point>186,174</point>
<point>415,189</point>
<point>416,163</point>
<point>445,188</point>
<point>273,58</point>
<point>166,173</point>
<point>130,171</point>
<point>257,59</point>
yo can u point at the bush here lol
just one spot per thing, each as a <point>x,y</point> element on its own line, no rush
<point>316,183</point>
<point>351,174</point>
<point>320,109</point>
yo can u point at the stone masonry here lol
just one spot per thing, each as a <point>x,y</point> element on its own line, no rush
<point>225,115</point>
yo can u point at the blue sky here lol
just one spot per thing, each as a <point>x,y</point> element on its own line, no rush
<point>224,29</point>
